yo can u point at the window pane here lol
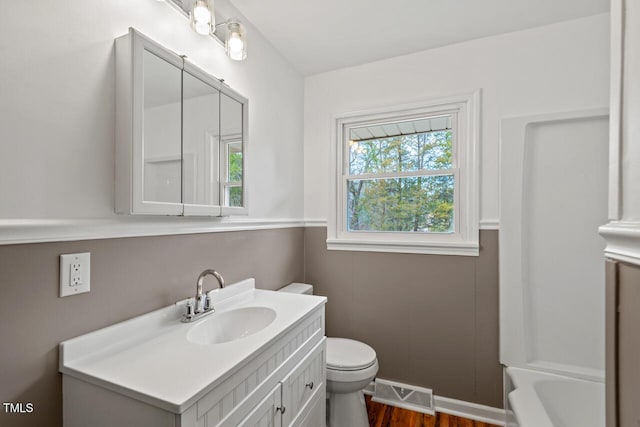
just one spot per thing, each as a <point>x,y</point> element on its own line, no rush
<point>413,204</point>
<point>234,196</point>
<point>425,150</point>
<point>231,134</point>
<point>235,163</point>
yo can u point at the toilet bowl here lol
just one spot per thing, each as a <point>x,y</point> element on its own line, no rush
<point>351,366</point>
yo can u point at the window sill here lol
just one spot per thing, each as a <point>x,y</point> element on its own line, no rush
<point>425,248</point>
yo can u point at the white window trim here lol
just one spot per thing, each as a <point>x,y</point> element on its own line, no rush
<point>465,241</point>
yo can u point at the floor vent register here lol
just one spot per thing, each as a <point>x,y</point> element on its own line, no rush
<point>405,396</point>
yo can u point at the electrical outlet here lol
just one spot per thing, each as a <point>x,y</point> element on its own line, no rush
<point>75,273</point>
<point>75,276</point>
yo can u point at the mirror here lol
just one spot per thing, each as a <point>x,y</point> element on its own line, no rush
<point>212,144</point>
<point>231,152</point>
<point>200,142</point>
<point>162,127</point>
<point>181,135</point>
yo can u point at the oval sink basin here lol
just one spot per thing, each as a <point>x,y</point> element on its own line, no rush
<point>231,325</point>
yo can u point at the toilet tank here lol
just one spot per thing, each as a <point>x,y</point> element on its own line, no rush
<point>298,288</point>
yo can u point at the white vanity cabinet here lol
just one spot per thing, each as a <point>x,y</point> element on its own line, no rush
<point>295,401</point>
<point>108,381</point>
<point>304,389</point>
<point>297,392</point>
<point>268,413</point>
<point>181,135</point>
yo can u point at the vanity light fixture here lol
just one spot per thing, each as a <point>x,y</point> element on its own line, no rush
<point>203,21</point>
<point>235,41</point>
<point>202,17</point>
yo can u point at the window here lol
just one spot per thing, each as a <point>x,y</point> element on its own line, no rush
<point>406,179</point>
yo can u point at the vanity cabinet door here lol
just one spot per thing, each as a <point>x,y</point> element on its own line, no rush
<point>316,415</point>
<point>304,386</point>
<point>267,413</point>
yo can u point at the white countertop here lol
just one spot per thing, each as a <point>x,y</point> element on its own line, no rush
<point>150,358</point>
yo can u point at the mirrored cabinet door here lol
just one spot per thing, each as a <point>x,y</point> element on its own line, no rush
<point>200,145</point>
<point>232,138</point>
<point>148,127</point>
<point>162,150</point>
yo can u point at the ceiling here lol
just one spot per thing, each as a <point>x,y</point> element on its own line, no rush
<point>321,36</point>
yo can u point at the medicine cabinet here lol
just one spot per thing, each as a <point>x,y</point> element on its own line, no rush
<point>181,135</point>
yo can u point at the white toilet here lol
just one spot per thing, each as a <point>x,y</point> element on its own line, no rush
<point>351,365</point>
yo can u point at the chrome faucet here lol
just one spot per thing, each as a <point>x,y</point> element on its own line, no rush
<point>202,304</point>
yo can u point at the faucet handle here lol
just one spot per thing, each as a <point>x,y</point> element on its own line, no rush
<point>189,308</point>
<point>207,303</point>
<point>188,315</point>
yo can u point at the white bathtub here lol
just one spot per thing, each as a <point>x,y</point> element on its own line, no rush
<point>546,400</point>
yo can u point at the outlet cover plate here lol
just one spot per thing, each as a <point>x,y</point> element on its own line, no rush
<point>75,274</point>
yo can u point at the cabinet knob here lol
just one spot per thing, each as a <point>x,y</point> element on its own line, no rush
<point>281,409</point>
<point>309,385</point>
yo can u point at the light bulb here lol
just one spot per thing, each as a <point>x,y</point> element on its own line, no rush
<point>235,43</point>
<point>236,55</point>
<point>202,18</point>
<point>202,28</point>
<point>201,13</point>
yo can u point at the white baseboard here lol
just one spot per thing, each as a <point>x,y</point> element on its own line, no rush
<point>461,408</point>
<point>472,411</point>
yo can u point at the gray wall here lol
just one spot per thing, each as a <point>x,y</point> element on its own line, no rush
<point>625,378</point>
<point>611,305</point>
<point>433,320</point>
<point>128,277</point>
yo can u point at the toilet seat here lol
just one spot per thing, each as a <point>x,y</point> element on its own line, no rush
<point>353,376</point>
<point>344,354</point>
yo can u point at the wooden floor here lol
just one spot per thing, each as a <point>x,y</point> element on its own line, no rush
<point>381,415</point>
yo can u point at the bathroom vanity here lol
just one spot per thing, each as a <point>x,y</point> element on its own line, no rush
<point>257,361</point>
